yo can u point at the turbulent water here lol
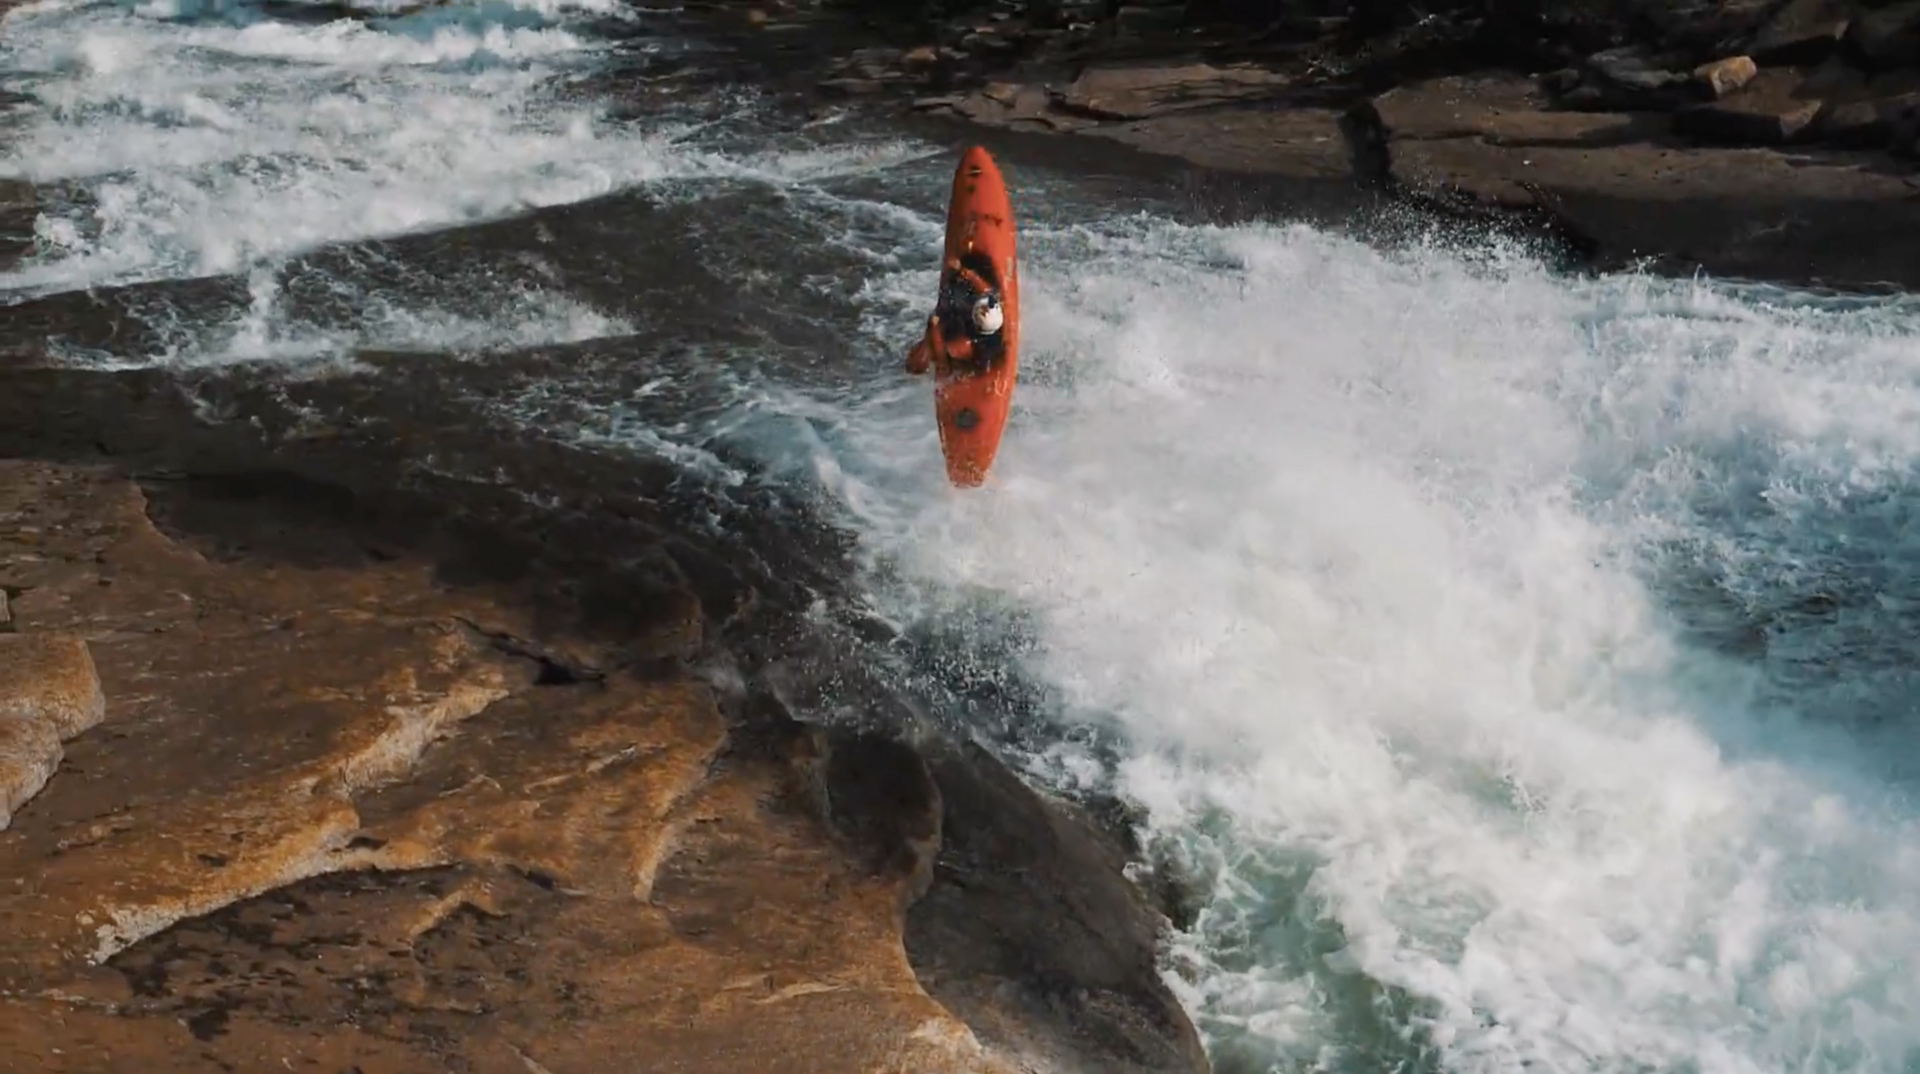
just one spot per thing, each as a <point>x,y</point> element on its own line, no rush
<point>1522,665</point>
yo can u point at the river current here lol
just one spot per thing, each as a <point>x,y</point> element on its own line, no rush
<point>1523,665</point>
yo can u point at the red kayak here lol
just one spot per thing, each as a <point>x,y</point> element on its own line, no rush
<point>972,342</point>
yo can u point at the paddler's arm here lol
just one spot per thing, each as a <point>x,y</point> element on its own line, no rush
<point>934,347</point>
<point>972,278</point>
<point>919,359</point>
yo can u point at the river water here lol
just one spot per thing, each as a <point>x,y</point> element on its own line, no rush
<point>1523,665</point>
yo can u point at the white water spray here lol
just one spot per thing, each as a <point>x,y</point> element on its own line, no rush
<point>1358,551</point>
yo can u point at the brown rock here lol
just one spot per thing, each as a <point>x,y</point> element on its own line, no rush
<point>1633,194</point>
<point>1010,94</point>
<point>50,678</point>
<point>1722,77</point>
<point>345,816</point>
<point>1138,92</point>
<point>1015,105</point>
<point>1767,112</point>
<point>922,57</point>
<point>49,693</point>
<point>29,754</point>
<point>1804,31</point>
<point>1613,182</point>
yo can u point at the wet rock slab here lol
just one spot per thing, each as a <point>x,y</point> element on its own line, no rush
<point>350,816</point>
<point>1728,181</point>
<point>1640,187</point>
<point>1763,138</point>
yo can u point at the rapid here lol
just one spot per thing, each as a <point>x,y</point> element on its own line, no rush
<point>1520,668</point>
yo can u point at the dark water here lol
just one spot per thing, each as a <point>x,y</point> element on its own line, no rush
<point>1524,663</point>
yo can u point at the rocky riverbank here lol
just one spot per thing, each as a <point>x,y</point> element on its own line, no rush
<point>1773,139</point>
<point>325,749</point>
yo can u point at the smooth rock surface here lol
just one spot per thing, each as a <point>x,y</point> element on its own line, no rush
<point>349,816</point>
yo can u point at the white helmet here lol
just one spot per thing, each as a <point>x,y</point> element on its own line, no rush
<point>987,316</point>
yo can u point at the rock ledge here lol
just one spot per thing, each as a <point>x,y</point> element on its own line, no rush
<point>346,818</point>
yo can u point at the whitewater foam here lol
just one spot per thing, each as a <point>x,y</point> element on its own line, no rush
<point>190,139</point>
<point>211,148</point>
<point>1370,556</point>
